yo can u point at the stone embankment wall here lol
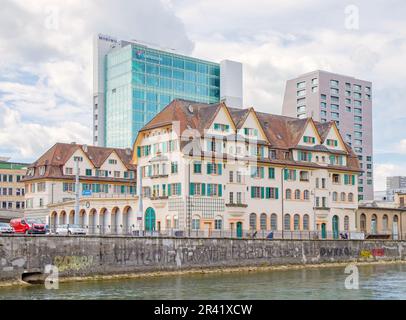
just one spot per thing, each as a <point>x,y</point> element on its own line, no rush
<point>93,256</point>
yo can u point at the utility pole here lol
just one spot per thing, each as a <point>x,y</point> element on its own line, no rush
<point>77,187</point>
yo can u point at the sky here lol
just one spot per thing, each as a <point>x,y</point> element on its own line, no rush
<point>46,59</point>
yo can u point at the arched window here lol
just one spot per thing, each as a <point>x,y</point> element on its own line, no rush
<point>351,197</point>
<point>218,223</point>
<point>374,221</point>
<point>306,222</point>
<point>196,223</point>
<point>288,194</point>
<point>253,221</point>
<point>335,196</point>
<point>262,221</point>
<point>306,195</point>
<point>168,222</point>
<point>385,222</point>
<point>363,222</point>
<point>287,222</point>
<point>175,222</point>
<point>343,196</point>
<point>347,223</point>
<point>297,194</point>
<point>296,222</point>
<point>274,222</point>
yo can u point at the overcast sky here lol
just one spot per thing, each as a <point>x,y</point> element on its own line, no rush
<point>46,59</point>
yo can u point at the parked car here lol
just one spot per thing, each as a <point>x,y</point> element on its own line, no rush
<point>5,228</point>
<point>70,229</point>
<point>28,226</point>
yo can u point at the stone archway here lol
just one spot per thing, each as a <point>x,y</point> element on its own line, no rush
<point>62,218</point>
<point>71,217</point>
<point>93,221</point>
<point>127,220</point>
<point>83,219</point>
<point>116,221</point>
<point>105,221</point>
<point>53,223</point>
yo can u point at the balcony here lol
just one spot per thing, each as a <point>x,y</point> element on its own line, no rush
<point>236,205</point>
<point>158,176</point>
<point>155,198</point>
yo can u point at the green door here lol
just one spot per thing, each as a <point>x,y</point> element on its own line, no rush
<point>335,227</point>
<point>150,220</point>
<point>323,231</point>
<point>239,229</point>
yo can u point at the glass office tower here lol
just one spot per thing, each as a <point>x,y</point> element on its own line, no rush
<point>140,82</point>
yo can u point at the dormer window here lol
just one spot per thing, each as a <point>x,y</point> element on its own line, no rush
<point>112,161</point>
<point>304,156</point>
<point>310,140</point>
<point>68,171</point>
<point>251,132</point>
<point>221,127</point>
<point>41,170</point>
<point>78,159</point>
<point>332,142</point>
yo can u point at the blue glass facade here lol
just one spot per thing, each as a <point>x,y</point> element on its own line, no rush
<point>141,81</point>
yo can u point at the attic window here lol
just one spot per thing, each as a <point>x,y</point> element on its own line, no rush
<point>307,139</point>
<point>41,170</point>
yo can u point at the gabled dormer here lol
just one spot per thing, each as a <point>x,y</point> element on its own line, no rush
<point>85,163</point>
<point>114,164</point>
<point>310,136</point>
<point>333,139</point>
<point>251,127</point>
<point>222,123</point>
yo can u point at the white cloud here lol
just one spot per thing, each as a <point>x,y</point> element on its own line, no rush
<point>46,64</point>
<point>386,170</point>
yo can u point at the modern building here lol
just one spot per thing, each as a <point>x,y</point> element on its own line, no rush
<point>396,184</point>
<point>209,169</point>
<point>325,97</point>
<point>133,82</point>
<point>103,173</point>
<point>12,190</point>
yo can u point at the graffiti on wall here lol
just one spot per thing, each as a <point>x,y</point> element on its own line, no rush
<point>73,263</point>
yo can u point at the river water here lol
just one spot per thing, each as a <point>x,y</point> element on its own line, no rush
<point>386,281</point>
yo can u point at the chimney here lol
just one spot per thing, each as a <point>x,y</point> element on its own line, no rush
<point>84,147</point>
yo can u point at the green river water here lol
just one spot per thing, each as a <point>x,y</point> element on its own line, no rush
<point>386,281</point>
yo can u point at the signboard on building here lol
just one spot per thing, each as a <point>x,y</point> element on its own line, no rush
<point>86,193</point>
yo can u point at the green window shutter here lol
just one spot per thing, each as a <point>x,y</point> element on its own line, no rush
<point>252,193</point>
<point>169,190</point>
<point>262,172</point>
<point>271,173</point>
<point>314,140</point>
<point>180,189</point>
<point>220,190</point>
<point>138,151</point>
<point>219,169</point>
<point>203,189</point>
<point>262,192</point>
<point>353,180</point>
<point>332,158</point>
<point>209,168</point>
<point>276,193</point>
<point>268,192</point>
<point>227,127</point>
<point>286,174</point>
<point>346,179</point>
<point>336,143</point>
<point>310,156</point>
<point>209,186</point>
<point>305,139</point>
<point>216,126</point>
<point>192,189</point>
<point>294,175</point>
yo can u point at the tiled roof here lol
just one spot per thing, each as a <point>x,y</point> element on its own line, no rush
<point>282,132</point>
<point>55,158</point>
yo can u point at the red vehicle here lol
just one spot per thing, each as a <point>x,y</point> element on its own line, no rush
<point>28,226</point>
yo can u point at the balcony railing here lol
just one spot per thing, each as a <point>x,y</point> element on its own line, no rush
<point>236,205</point>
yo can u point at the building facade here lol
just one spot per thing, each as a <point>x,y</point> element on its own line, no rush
<point>12,189</point>
<point>325,97</point>
<point>133,82</point>
<point>383,218</point>
<point>103,173</point>
<point>212,170</point>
